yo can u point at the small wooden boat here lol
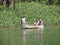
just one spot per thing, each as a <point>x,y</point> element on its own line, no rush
<point>27,26</point>
<point>32,27</point>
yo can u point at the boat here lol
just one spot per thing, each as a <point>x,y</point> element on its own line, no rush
<point>27,26</point>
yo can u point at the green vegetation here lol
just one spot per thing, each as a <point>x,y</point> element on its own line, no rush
<point>49,2</point>
<point>50,14</point>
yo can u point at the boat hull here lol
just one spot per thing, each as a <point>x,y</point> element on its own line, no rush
<point>32,27</point>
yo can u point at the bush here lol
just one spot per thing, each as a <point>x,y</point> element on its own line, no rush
<point>49,14</point>
<point>58,1</point>
<point>2,7</point>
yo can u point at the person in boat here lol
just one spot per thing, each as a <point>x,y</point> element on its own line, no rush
<point>23,21</point>
<point>38,22</point>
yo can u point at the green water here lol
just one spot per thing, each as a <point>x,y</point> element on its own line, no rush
<point>51,36</point>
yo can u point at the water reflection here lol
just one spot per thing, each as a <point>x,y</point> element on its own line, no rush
<point>32,36</point>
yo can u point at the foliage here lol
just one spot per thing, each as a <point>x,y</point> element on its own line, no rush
<point>58,1</point>
<point>2,7</point>
<point>32,11</point>
<point>40,1</point>
<point>50,14</point>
